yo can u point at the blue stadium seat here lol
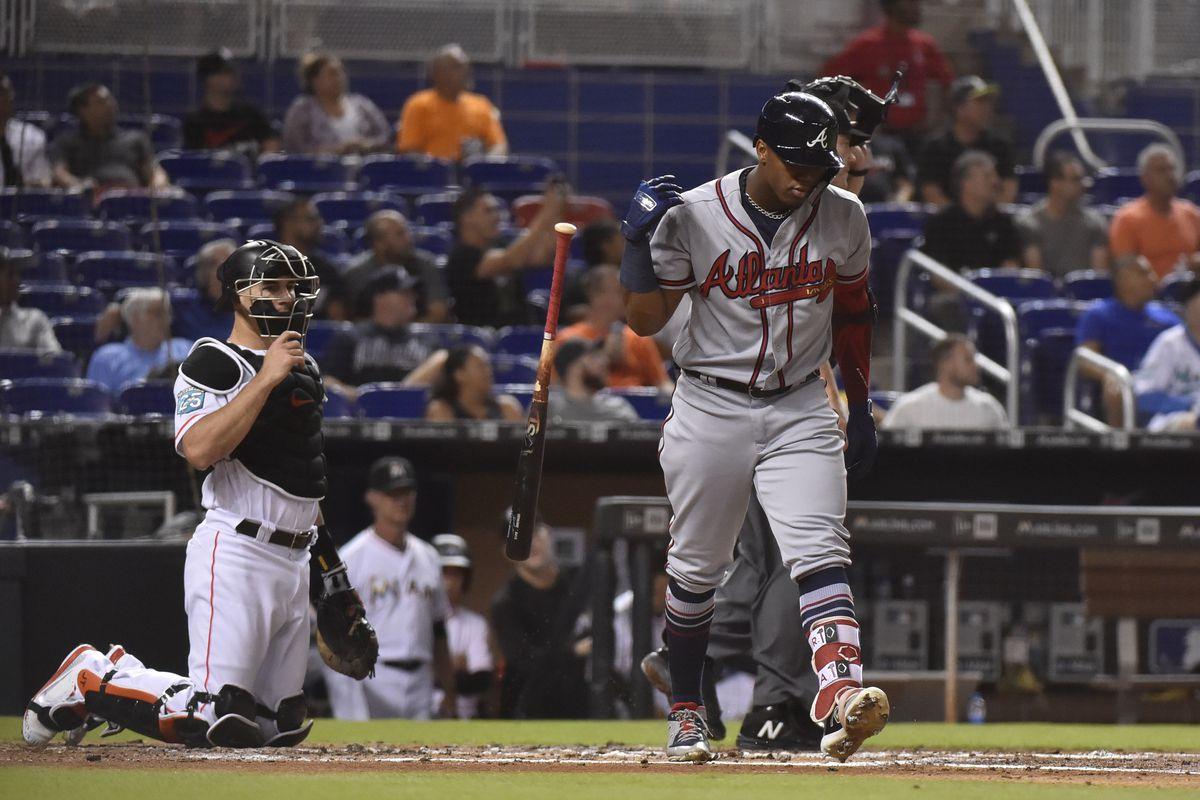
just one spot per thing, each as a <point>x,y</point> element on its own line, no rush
<point>514,369</point>
<point>885,217</point>
<point>508,177</point>
<point>112,270</point>
<point>12,235</point>
<point>303,173</point>
<point>1114,184</point>
<point>1173,287</point>
<point>40,267</point>
<point>519,340</point>
<point>408,174</point>
<point>384,400</point>
<point>58,203</point>
<point>1046,366</point>
<point>334,241</point>
<point>182,238</point>
<point>321,332</point>
<point>438,241</point>
<point>1015,284</point>
<point>451,334</point>
<point>523,392</point>
<point>18,363</point>
<point>207,170</point>
<point>55,396</point>
<point>1035,316</point>
<point>883,401</point>
<point>1086,284</point>
<point>143,398</point>
<point>165,132</point>
<point>256,205</point>
<point>1191,186</point>
<point>337,406</point>
<point>137,208</point>
<point>1031,184</point>
<point>78,235</point>
<point>887,251</point>
<point>648,401</point>
<point>353,208</point>
<point>435,209</point>
<point>62,300</point>
<point>76,334</point>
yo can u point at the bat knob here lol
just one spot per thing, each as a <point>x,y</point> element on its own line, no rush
<point>565,228</point>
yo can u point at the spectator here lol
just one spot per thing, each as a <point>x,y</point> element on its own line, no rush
<point>196,321</point>
<point>382,348</point>
<point>973,103</point>
<point>399,580</point>
<point>1059,234</point>
<point>535,617</point>
<point>951,401</point>
<point>972,233</point>
<point>299,224</point>
<point>224,121</point>
<point>484,274</point>
<point>462,389</point>
<point>1167,384</point>
<point>1122,327</point>
<point>23,161</point>
<point>1158,225</point>
<point>582,368</point>
<point>98,153</point>
<point>601,242</point>
<point>633,359</point>
<point>149,347</point>
<point>873,56</point>
<point>326,120</point>
<point>890,176</point>
<point>446,120</point>
<point>391,242</point>
<point>27,328</point>
<point>467,633</point>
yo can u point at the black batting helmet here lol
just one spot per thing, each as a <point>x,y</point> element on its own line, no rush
<point>802,130</point>
<point>259,262</point>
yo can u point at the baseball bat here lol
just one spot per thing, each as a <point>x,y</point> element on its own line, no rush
<point>519,535</point>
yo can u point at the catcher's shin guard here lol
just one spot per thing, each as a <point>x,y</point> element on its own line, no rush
<point>289,721</point>
<point>235,726</point>
<point>124,707</point>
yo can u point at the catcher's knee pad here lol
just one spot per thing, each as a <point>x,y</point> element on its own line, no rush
<point>289,721</point>
<point>836,659</point>
<point>235,709</point>
<point>124,707</point>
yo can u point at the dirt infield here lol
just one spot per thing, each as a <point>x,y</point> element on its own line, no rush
<point>1098,767</point>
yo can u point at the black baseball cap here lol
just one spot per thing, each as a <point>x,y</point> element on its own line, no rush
<point>214,63</point>
<point>391,279</point>
<point>970,87</point>
<point>390,474</point>
<point>571,351</point>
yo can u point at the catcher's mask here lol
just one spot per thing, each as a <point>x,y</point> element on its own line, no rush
<point>262,270</point>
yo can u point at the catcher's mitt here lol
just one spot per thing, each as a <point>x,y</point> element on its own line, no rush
<point>345,639</point>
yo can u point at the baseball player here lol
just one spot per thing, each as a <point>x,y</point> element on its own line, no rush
<point>401,580</point>
<point>249,410</point>
<point>466,632</point>
<point>767,254</point>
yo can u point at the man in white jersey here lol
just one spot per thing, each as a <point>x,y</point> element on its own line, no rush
<point>248,410</point>
<point>1167,384</point>
<point>775,261</point>
<point>466,632</point>
<point>401,581</point>
<point>951,400</point>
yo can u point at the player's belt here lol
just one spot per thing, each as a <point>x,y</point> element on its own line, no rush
<point>295,540</point>
<point>742,388</point>
<point>406,664</point>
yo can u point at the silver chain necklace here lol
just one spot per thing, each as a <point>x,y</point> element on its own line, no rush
<point>763,211</point>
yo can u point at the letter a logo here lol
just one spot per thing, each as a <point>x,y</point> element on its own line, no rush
<point>821,139</point>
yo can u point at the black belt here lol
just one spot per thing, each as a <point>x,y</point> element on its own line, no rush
<point>294,540</point>
<point>406,664</point>
<point>742,388</point>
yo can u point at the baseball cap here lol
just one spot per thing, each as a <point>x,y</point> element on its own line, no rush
<point>391,473</point>
<point>391,279</point>
<point>970,87</point>
<point>452,550</point>
<point>571,351</point>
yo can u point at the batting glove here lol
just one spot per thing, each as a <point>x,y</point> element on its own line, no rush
<point>651,200</point>
<point>862,443</point>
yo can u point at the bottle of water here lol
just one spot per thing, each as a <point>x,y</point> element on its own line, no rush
<point>976,709</point>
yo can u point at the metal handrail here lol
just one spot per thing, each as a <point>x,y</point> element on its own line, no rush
<point>1075,416</point>
<point>907,318</point>
<point>733,139</point>
<point>1109,124</point>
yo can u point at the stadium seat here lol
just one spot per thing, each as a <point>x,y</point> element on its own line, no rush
<point>407,175</point>
<point>882,401</point>
<point>303,173</point>
<point>1173,287</point>
<point>1031,184</point>
<point>885,217</point>
<point>40,267</point>
<point>54,396</point>
<point>523,392</point>
<point>62,300</point>
<point>391,400</point>
<point>1014,284</point>
<point>112,270</point>
<point>165,132</point>
<point>143,398</point>
<point>12,235</point>
<point>78,235</point>
<point>337,406</point>
<point>519,340</point>
<point>255,205</point>
<point>1086,284</point>
<point>581,210</point>
<point>57,203</point>
<point>508,177</point>
<point>182,238</point>
<point>1191,186</point>
<point>435,209</point>
<point>438,241</point>
<point>133,207</point>
<point>205,171</point>
<point>1046,365</point>
<point>1115,184</point>
<point>321,332</point>
<point>514,369</point>
<point>76,334</point>
<point>334,241</point>
<point>648,401</point>
<point>449,335</point>
<point>1035,316</point>
<point>353,208</point>
<point>19,363</point>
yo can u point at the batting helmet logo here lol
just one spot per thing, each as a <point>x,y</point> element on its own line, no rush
<point>821,140</point>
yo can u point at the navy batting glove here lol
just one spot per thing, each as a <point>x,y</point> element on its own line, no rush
<point>651,200</point>
<point>862,443</point>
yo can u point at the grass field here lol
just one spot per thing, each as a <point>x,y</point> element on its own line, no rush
<point>61,772</point>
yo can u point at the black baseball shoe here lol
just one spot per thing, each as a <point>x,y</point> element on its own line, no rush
<point>782,726</point>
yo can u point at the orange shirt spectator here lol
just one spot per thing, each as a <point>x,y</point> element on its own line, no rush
<point>639,365</point>
<point>1158,225</point>
<point>447,121</point>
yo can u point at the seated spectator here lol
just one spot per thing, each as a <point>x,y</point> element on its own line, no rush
<point>1122,327</point>
<point>467,633</point>
<point>1167,384</point>
<point>299,224</point>
<point>223,120</point>
<point>203,319</point>
<point>391,242</point>
<point>951,401</point>
<point>1059,234</point>
<point>1158,225</point>
<point>149,348</point>
<point>446,120</point>
<point>633,359</point>
<point>383,347</point>
<point>974,105</point>
<point>535,616</point>
<point>582,368</point>
<point>23,162</point>
<point>326,120</point>
<point>484,274</point>
<point>99,154</point>
<point>601,242</point>
<point>972,233</point>
<point>26,328</point>
<point>462,389</point>
<point>890,171</point>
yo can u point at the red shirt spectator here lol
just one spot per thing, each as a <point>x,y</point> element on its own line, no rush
<point>874,55</point>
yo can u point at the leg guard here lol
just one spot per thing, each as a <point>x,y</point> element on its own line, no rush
<point>235,725</point>
<point>139,711</point>
<point>837,661</point>
<point>289,721</point>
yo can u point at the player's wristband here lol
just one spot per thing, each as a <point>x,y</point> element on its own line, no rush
<point>637,268</point>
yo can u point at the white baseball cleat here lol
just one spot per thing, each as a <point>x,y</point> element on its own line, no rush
<point>687,734</point>
<point>57,708</point>
<point>858,714</point>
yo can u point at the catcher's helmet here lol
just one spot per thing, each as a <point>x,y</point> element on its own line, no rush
<point>801,129</point>
<point>258,262</point>
<point>453,551</point>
